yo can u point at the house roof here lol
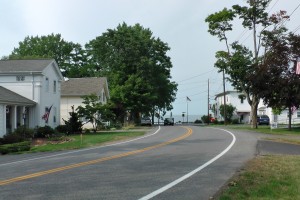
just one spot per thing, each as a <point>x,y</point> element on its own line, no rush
<point>83,86</point>
<point>10,97</point>
<point>13,66</point>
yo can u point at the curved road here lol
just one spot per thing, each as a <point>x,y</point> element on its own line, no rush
<point>168,163</point>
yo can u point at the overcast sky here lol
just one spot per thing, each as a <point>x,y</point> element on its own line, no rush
<point>180,23</point>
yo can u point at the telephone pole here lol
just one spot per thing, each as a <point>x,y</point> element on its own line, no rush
<point>224,97</point>
<point>208,102</point>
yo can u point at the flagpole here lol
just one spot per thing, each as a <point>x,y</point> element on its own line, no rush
<point>187,111</point>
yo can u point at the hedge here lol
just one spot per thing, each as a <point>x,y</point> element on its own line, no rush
<point>15,147</point>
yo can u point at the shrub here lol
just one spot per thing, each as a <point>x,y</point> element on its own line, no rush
<point>62,129</point>
<point>215,121</point>
<point>16,147</point>
<point>10,138</point>
<point>24,132</point>
<point>19,135</point>
<point>44,132</point>
<point>198,121</point>
<point>235,121</point>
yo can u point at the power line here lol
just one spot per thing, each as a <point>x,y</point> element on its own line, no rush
<point>187,79</point>
<point>295,10</point>
<point>273,6</point>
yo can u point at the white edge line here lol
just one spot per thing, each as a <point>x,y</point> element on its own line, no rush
<point>172,184</point>
<point>76,151</point>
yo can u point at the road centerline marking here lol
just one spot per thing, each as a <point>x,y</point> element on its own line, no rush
<point>81,164</point>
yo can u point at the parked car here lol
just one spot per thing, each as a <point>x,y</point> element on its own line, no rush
<point>263,119</point>
<point>146,121</point>
<point>169,121</point>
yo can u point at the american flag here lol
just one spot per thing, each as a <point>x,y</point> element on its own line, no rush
<point>298,66</point>
<point>47,113</point>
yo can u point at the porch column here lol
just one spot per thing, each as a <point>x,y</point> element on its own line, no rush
<point>13,117</point>
<point>23,115</point>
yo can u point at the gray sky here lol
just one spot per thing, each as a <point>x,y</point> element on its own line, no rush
<point>180,23</point>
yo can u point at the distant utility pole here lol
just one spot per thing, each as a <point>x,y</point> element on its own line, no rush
<point>208,102</point>
<point>224,96</point>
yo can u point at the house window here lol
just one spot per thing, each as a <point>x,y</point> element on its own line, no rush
<point>20,78</point>
<point>47,84</point>
<point>298,114</point>
<point>54,86</point>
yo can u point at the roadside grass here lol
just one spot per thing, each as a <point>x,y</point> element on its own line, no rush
<point>88,140</point>
<point>282,134</point>
<point>267,130</point>
<point>265,177</point>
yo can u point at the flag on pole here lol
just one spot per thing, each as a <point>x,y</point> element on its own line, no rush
<point>298,66</point>
<point>47,113</point>
<point>188,99</point>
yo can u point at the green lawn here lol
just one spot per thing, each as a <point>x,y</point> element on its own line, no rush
<point>267,130</point>
<point>88,140</point>
<point>266,177</point>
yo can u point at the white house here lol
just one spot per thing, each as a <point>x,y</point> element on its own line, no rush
<point>74,89</point>
<point>243,109</point>
<point>30,94</point>
<point>236,99</point>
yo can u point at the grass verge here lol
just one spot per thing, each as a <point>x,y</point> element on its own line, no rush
<point>266,177</point>
<point>88,140</point>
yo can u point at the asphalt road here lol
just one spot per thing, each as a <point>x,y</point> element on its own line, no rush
<point>168,163</point>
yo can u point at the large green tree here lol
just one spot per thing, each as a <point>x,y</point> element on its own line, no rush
<point>282,88</point>
<point>244,65</point>
<point>137,67</point>
<point>70,57</point>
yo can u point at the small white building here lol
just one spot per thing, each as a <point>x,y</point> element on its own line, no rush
<point>74,89</point>
<point>30,94</point>
<point>243,109</point>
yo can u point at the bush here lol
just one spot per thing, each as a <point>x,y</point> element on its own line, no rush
<point>215,121</point>
<point>12,138</point>
<point>44,132</point>
<point>16,147</point>
<point>62,129</point>
<point>235,121</point>
<point>24,132</point>
<point>19,135</point>
<point>198,121</point>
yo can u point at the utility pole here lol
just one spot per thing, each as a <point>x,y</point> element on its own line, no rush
<point>208,102</point>
<point>224,97</point>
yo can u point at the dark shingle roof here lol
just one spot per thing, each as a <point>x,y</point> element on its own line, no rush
<point>82,86</point>
<point>9,66</point>
<point>10,97</point>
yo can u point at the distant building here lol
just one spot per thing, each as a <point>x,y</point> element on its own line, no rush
<point>243,109</point>
<point>30,94</point>
<point>237,100</point>
<point>74,89</point>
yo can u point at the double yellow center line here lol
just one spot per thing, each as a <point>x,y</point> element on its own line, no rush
<point>59,169</point>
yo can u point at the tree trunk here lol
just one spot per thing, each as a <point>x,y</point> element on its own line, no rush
<point>290,119</point>
<point>254,105</point>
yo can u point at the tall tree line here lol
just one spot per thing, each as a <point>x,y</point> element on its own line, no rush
<point>134,61</point>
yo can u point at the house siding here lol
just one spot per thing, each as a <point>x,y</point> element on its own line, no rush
<point>31,85</point>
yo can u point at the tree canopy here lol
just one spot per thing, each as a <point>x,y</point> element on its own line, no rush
<point>250,69</point>
<point>134,61</point>
<point>137,66</point>
<point>70,57</point>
